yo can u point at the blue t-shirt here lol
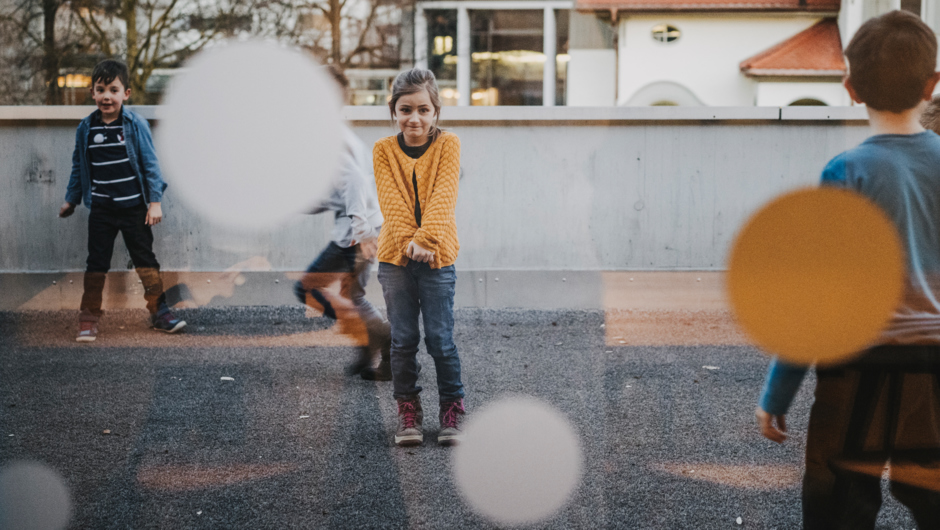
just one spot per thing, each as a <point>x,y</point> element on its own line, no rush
<point>901,174</point>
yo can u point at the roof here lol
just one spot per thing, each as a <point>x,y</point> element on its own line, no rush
<point>829,6</point>
<point>815,51</point>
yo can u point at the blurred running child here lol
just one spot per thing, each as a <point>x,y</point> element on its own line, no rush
<point>116,174</point>
<point>349,256</point>
<point>930,119</point>
<point>883,406</point>
<point>417,174</point>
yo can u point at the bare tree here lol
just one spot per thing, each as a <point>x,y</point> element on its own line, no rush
<point>151,34</point>
<point>38,39</point>
<point>346,33</point>
<point>42,37</point>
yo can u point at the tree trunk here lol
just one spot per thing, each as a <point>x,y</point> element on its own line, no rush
<point>336,19</point>
<point>50,55</point>
<point>129,12</point>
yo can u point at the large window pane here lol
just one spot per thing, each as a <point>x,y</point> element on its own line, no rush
<point>562,18</point>
<point>442,52</point>
<point>507,58</point>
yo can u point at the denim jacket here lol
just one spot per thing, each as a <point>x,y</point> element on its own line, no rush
<point>140,151</point>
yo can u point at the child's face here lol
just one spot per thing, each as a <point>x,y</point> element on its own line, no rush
<point>414,114</point>
<point>110,97</point>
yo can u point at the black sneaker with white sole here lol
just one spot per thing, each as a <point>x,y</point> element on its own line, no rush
<point>167,322</point>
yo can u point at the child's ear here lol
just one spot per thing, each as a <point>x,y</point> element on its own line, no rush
<point>127,93</point>
<point>847,83</point>
<point>931,86</point>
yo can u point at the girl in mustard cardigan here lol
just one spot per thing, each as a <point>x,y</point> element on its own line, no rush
<point>416,174</point>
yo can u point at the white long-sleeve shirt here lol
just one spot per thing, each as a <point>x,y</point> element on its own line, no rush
<point>353,198</point>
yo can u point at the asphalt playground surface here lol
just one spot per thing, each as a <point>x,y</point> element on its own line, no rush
<point>291,442</point>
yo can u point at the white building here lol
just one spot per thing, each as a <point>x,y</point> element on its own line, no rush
<point>644,52</point>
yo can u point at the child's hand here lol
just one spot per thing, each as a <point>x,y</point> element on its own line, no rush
<point>416,253</point>
<point>66,210</point>
<point>368,249</point>
<point>765,420</point>
<point>154,214</point>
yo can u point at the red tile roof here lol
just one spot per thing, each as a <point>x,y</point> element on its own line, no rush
<point>816,51</point>
<point>830,6</point>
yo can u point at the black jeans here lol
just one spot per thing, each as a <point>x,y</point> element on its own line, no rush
<point>882,409</point>
<point>103,227</point>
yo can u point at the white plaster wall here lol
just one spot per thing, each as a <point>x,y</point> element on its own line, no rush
<point>855,12</point>
<point>592,78</point>
<point>931,14</point>
<point>705,59</point>
<point>781,94</point>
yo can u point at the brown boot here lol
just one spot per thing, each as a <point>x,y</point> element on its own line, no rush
<point>410,417</point>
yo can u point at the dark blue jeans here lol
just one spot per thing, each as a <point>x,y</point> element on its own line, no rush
<point>345,265</point>
<point>413,290</point>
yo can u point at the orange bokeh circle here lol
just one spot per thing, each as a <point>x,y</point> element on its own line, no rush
<point>815,275</point>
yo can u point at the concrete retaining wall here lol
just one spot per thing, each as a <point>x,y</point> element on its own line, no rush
<point>554,191</point>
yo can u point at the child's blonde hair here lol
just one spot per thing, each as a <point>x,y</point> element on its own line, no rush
<point>414,81</point>
<point>930,119</point>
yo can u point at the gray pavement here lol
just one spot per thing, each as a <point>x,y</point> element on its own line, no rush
<point>667,443</point>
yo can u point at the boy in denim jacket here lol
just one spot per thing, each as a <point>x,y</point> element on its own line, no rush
<point>116,174</point>
<point>884,405</point>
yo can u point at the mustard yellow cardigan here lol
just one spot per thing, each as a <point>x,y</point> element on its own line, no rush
<point>438,172</point>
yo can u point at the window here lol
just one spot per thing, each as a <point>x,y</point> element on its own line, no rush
<point>442,51</point>
<point>443,44</point>
<point>562,32</point>
<point>807,102</point>
<point>507,59</point>
<point>666,33</point>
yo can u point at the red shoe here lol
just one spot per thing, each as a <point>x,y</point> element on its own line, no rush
<point>88,331</point>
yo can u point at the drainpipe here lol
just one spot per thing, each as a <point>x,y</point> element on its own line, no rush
<point>549,44</point>
<point>615,27</point>
<point>421,38</point>
<point>463,57</point>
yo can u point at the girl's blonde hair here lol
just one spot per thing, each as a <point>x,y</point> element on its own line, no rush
<point>414,81</point>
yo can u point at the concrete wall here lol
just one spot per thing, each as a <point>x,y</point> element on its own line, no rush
<point>781,94</point>
<point>546,194</point>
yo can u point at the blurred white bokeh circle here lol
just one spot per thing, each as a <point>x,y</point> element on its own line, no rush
<point>519,462</point>
<point>33,497</point>
<point>250,133</point>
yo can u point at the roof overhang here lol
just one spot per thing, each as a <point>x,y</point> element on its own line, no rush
<point>771,72</point>
<point>817,7</point>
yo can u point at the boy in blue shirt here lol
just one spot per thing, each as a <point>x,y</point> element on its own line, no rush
<point>116,174</point>
<point>884,406</point>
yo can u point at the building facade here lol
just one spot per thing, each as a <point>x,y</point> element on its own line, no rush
<point>644,52</point>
